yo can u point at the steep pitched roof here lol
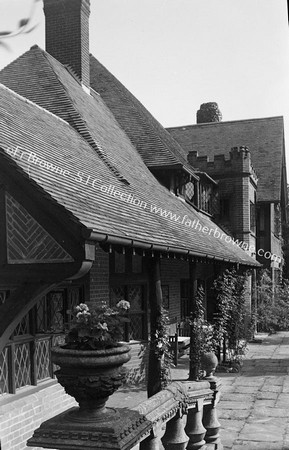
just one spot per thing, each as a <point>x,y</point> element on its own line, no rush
<point>95,153</point>
<point>155,145</point>
<point>264,138</point>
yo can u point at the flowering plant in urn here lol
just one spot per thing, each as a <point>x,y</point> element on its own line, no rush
<point>90,363</point>
<point>97,328</point>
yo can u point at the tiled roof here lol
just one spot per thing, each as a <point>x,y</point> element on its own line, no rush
<point>155,145</point>
<point>264,138</point>
<point>71,147</point>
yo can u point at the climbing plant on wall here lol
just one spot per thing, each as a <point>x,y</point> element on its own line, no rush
<point>202,336</point>
<point>231,324</point>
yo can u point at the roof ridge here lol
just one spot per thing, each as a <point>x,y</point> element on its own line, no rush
<point>30,102</point>
<point>76,121</point>
<point>224,122</point>
<point>65,106</point>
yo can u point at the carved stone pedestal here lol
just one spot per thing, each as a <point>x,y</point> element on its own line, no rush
<point>118,429</point>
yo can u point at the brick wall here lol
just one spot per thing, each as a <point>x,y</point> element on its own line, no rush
<point>237,182</point>
<point>99,277</point>
<point>22,415</point>
<point>99,290</point>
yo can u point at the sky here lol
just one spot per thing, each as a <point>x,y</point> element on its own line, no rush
<point>174,55</point>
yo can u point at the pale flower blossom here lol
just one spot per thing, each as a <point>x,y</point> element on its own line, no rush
<point>123,304</point>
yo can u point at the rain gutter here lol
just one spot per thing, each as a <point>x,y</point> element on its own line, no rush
<point>104,238</point>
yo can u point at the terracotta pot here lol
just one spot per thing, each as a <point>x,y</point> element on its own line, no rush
<point>209,363</point>
<point>90,376</point>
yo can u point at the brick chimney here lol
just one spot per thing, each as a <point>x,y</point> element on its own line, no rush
<point>67,34</point>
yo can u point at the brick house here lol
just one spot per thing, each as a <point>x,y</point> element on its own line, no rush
<point>97,203</point>
<point>257,210</point>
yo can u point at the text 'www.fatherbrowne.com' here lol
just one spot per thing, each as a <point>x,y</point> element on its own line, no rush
<point>112,191</point>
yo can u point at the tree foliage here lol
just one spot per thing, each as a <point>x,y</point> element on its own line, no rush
<point>24,26</point>
<point>273,304</point>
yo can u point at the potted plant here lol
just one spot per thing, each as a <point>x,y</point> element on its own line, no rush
<point>90,360</point>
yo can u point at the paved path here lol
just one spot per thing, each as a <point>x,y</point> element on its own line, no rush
<point>254,407</point>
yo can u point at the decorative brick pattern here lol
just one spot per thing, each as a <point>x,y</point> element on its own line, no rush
<point>27,241</point>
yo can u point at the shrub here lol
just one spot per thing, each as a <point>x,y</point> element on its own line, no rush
<point>273,304</point>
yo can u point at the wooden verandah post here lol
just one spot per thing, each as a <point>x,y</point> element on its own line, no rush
<point>193,375</point>
<point>155,301</point>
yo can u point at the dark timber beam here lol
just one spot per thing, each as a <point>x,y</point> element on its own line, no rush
<point>29,292</point>
<point>254,300</point>
<point>17,306</point>
<point>51,273</point>
<point>155,301</point>
<point>192,292</point>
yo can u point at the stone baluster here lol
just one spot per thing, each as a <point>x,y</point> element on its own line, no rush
<point>158,423</point>
<point>175,437</point>
<point>153,441</point>
<point>194,428</point>
<point>211,422</point>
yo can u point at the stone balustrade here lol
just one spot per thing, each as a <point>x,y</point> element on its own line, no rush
<point>181,416</point>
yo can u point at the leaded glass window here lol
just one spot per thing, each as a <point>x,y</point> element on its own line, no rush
<point>4,377</point>
<point>136,329</point>
<point>22,365</point>
<point>42,357</point>
<point>190,191</point>
<point>26,360</point>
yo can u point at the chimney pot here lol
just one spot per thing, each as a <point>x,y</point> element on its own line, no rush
<point>209,112</point>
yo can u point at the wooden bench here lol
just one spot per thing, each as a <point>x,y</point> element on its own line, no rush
<point>179,341</point>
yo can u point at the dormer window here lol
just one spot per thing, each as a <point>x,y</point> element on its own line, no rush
<point>206,194</point>
<point>190,192</point>
<point>201,193</point>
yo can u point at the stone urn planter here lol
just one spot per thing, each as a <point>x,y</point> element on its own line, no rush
<point>90,376</point>
<point>209,362</point>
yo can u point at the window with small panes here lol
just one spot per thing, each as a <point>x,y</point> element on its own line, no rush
<point>26,359</point>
